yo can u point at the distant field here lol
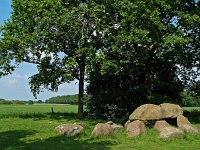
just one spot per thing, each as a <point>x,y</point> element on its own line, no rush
<point>31,127</point>
<point>16,110</point>
<point>191,108</point>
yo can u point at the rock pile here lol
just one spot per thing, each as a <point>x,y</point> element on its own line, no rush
<point>135,126</point>
<point>159,113</point>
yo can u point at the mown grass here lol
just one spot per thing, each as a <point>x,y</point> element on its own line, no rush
<point>33,132</point>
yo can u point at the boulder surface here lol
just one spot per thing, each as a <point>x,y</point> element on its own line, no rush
<point>160,125</point>
<point>146,112</point>
<point>70,130</point>
<point>171,132</point>
<point>102,129</point>
<point>136,128</point>
<point>171,110</point>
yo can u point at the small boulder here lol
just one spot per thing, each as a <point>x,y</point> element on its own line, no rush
<point>181,120</point>
<point>102,129</point>
<point>136,128</point>
<point>189,128</point>
<point>146,112</point>
<point>184,124</point>
<point>159,125</point>
<point>70,130</point>
<point>170,133</point>
<point>171,110</point>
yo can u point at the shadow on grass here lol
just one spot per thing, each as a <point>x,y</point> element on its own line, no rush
<point>192,115</point>
<point>14,140</point>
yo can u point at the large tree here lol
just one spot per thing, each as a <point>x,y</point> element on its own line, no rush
<point>151,49</point>
<point>56,35</point>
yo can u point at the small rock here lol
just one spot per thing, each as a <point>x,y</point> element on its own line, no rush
<point>102,129</point>
<point>136,128</point>
<point>159,125</point>
<point>70,130</point>
<point>170,133</point>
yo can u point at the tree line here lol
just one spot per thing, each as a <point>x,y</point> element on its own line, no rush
<point>65,99</point>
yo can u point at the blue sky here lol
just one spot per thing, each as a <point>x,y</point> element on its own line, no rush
<point>16,86</point>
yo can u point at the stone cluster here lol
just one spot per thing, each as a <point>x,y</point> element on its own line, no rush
<point>135,126</point>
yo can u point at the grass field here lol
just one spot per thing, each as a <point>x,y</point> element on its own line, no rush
<point>31,127</point>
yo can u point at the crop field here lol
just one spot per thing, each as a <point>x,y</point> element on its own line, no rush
<point>31,127</point>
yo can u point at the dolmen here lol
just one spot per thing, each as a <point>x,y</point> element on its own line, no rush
<point>137,122</point>
<point>135,126</point>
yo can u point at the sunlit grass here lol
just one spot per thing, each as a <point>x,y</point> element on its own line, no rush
<point>36,132</point>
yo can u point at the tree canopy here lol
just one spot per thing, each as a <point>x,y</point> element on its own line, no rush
<point>146,48</point>
<point>55,35</point>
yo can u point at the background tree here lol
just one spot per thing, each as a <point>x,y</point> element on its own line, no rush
<point>55,35</point>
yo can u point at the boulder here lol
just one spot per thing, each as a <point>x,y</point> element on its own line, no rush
<point>146,112</point>
<point>136,128</point>
<point>181,120</point>
<point>184,124</point>
<point>126,124</point>
<point>102,129</point>
<point>171,110</point>
<point>170,133</point>
<point>159,125</point>
<point>70,130</point>
<point>189,128</point>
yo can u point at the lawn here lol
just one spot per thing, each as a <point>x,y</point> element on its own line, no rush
<point>32,127</point>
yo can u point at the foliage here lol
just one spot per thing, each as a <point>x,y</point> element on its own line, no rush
<point>55,35</point>
<point>143,51</point>
<point>150,51</point>
<point>30,102</point>
<point>190,99</point>
<point>68,99</point>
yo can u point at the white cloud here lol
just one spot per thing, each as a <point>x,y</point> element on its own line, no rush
<point>12,82</point>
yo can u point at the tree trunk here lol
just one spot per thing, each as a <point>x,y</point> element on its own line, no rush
<point>81,92</point>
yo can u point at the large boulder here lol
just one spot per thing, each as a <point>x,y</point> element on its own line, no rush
<point>171,132</point>
<point>160,125</point>
<point>136,128</point>
<point>184,124</point>
<point>146,112</point>
<point>171,110</point>
<point>102,129</point>
<point>70,130</point>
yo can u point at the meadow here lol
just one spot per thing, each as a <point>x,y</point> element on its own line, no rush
<point>28,127</point>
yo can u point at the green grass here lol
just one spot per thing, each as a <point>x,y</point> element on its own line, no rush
<point>37,110</point>
<point>37,132</point>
